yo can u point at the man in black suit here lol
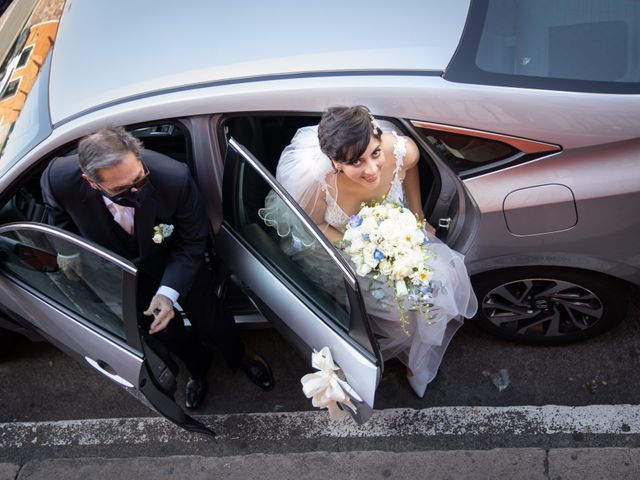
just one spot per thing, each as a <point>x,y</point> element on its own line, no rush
<point>146,207</point>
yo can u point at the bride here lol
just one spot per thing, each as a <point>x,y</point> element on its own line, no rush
<point>330,170</point>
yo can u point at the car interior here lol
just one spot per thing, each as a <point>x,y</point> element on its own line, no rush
<point>265,136</point>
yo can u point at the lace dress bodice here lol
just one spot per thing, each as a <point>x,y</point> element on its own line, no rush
<point>336,217</point>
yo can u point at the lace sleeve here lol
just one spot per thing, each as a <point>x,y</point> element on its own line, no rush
<point>399,152</point>
<point>396,193</point>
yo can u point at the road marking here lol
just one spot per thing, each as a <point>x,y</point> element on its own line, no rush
<point>436,421</point>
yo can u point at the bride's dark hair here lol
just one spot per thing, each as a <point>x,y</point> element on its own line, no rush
<point>345,132</point>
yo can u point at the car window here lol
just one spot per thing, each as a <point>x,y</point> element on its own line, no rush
<point>167,138</point>
<point>294,252</point>
<point>573,45</point>
<point>94,293</point>
<point>465,152</point>
<point>170,138</point>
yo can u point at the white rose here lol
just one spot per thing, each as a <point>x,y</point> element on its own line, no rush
<point>388,246</point>
<point>351,233</point>
<point>403,267</point>
<point>367,254</point>
<point>408,220</point>
<point>369,225</point>
<point>357,244</point>
<point>393,213</point>
<point>365,212</point>
<point>157,238</point>
<point>363,269</point>
<point>385,267</point>
<point>389,230</point>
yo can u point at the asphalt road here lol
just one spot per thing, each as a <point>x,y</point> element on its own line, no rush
<point>40,383</point>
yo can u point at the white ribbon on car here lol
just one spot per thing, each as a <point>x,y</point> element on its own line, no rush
<point>325,388</point>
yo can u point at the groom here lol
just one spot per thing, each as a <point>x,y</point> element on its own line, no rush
<point>146,207</point>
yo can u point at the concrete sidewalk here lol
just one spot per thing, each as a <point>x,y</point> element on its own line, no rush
<point>511,464</point>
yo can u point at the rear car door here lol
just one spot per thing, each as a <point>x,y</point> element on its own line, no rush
<point>91,316</point>
<point>311,315</point>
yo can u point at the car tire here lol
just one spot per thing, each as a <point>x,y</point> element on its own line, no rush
<point>548,305</point>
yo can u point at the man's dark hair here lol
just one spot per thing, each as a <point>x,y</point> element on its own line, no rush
<point>105,148</point>
<point>345,132</point>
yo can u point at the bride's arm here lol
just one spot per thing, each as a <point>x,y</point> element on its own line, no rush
<point>412,182</point>
<point>316,212</point>
<point>331,233</point>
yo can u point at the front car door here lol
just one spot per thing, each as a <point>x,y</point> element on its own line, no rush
<point>91,316</point>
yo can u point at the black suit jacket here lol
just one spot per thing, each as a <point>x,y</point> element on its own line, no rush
<point>72,204</point>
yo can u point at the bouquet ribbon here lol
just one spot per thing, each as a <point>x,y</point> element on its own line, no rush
<point>325,388</point>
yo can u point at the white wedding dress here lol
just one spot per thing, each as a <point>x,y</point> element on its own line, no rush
<point>308,176</point>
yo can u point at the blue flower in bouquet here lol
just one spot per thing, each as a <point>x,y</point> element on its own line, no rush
<point>378,255</point>
<point>355,221</point>
<point>424,289</point>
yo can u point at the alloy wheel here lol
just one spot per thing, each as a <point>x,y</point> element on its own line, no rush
<point>542,307</point>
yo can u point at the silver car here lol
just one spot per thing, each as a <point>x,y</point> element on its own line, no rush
<point>527,115</point>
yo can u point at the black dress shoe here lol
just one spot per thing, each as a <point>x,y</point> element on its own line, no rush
<point>258,370</point>
<point>195,392</point>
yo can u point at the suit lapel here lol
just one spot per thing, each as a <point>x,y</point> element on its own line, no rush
<point>145,218</point>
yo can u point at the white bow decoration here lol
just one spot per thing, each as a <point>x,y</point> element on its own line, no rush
<point>325,388</point>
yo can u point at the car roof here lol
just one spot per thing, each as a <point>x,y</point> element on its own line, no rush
<point>109,51</point>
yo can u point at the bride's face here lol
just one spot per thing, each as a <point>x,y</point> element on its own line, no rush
<point>365,170</point>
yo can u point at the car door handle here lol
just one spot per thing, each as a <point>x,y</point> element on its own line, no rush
<point>106,370</point>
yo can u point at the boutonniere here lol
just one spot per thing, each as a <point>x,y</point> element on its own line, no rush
<point>162,231</point>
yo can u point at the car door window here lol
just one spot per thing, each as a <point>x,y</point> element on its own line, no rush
<point>298,253</point>
<point>298,280</point>
<point>93,292</point>
<point>291,248</point>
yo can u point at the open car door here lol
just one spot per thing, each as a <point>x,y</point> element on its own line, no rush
<point>310,314</point>
<point>91,316</point>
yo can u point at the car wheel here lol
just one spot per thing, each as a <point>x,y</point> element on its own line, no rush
<point>548,306</point>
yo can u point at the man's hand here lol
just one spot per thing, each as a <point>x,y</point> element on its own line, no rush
<point>71,266</point>
<point>162,310</point>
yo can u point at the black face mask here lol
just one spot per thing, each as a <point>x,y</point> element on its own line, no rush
<point>131,199</point>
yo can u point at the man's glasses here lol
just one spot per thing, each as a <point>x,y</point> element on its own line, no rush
<point>137,184</point>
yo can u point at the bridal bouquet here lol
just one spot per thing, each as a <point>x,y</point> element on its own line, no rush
<point>386,241</point>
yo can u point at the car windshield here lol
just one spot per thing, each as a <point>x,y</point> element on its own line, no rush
<point>27,33</point>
